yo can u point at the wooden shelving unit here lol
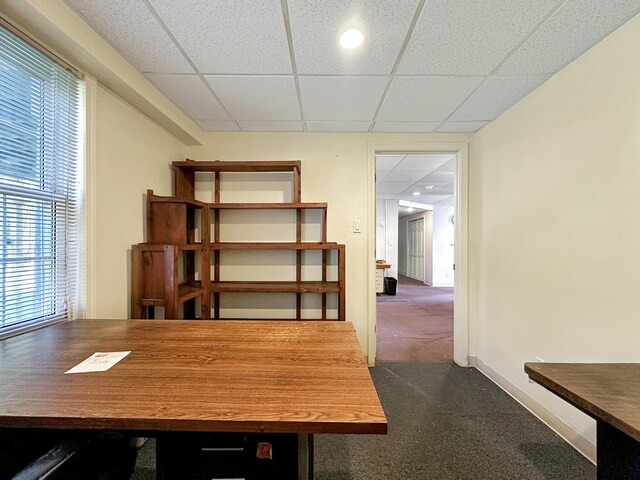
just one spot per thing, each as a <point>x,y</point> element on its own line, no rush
<point>164,268</point>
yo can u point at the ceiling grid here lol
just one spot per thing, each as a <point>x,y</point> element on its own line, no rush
<point>424,66</point>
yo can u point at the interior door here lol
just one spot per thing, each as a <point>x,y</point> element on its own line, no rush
<point>415,248</point>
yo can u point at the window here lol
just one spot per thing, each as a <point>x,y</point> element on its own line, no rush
<point>40,183</point>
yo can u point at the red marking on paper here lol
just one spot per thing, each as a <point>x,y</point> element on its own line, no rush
<point>265,450</point>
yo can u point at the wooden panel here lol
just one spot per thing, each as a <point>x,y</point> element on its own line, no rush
<point>604,391</point>
<point>153,270</point>
<point>297,377</point>
<point>183,183</point>
<point>167,223</point>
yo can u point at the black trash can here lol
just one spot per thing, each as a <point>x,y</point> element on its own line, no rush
<point>390,285</point>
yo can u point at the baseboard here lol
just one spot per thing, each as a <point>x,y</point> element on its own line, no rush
<point>555,423</point>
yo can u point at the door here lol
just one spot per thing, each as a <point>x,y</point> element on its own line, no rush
<point>415,237</point>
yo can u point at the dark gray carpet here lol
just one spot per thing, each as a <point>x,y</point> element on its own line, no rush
<point>445,423</point>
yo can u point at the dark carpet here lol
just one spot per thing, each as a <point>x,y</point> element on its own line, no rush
<point>416,324</point>
<point>445,423</point>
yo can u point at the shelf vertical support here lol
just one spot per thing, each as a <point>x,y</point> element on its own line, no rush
<point>216,239</point>
<point>170,282</point>
<point>342,274</point>
<point>298,262</point>
<point>297,189</point>
<point>137,310</point>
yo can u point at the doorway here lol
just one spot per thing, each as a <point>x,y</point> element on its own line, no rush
<point>457,153</point>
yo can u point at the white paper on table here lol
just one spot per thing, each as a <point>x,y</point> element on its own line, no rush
<point>98,362</point>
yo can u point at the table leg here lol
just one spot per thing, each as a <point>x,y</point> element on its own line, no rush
<point>305,456</point>
<point>618,454</point>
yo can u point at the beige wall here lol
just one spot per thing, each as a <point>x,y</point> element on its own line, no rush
<point>132,154</point>
<point>555,261</point>
<point>334,170</point>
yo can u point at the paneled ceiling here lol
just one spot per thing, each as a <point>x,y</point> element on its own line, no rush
<point>276,65</point>
<point>427,179</point>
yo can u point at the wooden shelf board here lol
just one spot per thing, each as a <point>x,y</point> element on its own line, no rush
<point>274,246</point>
<point>217,166</point>
<point>267,206</point>
<point>153,198</point>
<point>262,319</point>
<point>276,287</point>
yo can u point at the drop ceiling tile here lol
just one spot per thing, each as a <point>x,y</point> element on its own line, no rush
<point>424,163</point>
<point>436,185</point>
<point>270,126</point>
<point>316,26</point>
<point>425,98</point>
<point>449,166</point>
<point>458,37</point>
<point>462,126</point>
<point>229,36</point>
<point>337,126</point>
<point>496,96</point>
<point>574,28</point>
<point>218,125</point>
<point>410,127</point>
<point>190,94</point>
<point>439,176</point>
<point>380,175</point>
<point>392,188</point>
<point>447,189</point>
<point>405,175</point>
<point>135,33</point>
<point>385,197</point>
<point>341,99</point>
<point>446,202</point>
<point>430,199</point>
<point>257,97</point>
<point>388,162</point>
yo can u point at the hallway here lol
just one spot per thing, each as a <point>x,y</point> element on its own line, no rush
<point>416,325</point>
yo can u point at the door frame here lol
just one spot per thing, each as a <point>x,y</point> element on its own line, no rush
<point>461,240</point>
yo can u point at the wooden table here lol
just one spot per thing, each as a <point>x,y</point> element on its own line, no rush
<point>609,393</point>
<point>192,376</point>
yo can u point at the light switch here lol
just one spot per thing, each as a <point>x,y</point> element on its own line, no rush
<point>357,227</point>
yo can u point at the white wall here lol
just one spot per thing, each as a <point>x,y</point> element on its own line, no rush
<point>387,235</point>
<point>554,257</point>
<point>443,235</point>
<point>132,154</point>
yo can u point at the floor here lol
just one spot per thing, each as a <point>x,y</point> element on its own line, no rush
<point>416,324</point>
<point>445,423</point>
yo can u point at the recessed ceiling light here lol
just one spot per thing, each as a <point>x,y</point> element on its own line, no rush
<point>428,187</point>
<point>415,194</point>
<point>409,209</point>
<point>351,38</point>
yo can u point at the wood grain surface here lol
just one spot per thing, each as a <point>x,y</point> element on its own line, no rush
<point>242,166</point>
<point>181,375</point>
<point>609,392</point>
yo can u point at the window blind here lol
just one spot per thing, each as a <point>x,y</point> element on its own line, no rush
<point>40,186</point>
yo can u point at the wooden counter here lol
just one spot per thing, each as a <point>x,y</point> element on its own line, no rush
<point>609,393</point>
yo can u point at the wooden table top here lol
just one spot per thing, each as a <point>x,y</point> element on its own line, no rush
<point>605,391</point>
<point>181,375</point>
